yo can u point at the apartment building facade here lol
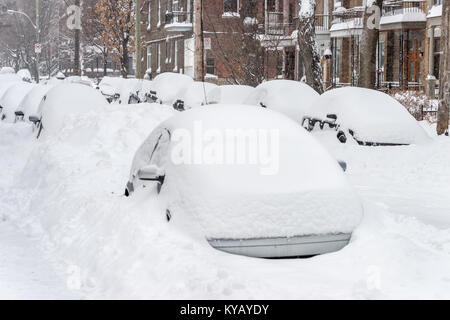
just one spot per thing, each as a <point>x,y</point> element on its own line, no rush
<point>408,46</point>
<point>170,42</point>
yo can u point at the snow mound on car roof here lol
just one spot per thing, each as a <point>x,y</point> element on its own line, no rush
<point>230,94</point>
<point>194,96</point>
<point>292,98</point>
<point>64,100</point>
<point>372,115</point>
<point>12,98</point>
<point>299,189</point>
<point>171,86</point>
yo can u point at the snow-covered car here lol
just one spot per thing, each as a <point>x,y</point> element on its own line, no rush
<point>30,103</point>
<point>292,98</point>
<point>304,206</point>
<point>24,74</point>
<point>62,101</point>
<point>369,116</point>
<point>170,86</point>
<point>229,94</point>
<point>110,88</point>
<point>196,95</point>
<point>7,70</point>
<point>10,101</point>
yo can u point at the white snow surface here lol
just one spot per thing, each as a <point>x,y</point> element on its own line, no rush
<point>171,86</point>
<point>24,74</point>
<point>197,94</point>
<point>308,194</point>
<point>292,98</point>
<point>373,116</point>
<point>230,94</point>
<point>7,70</point>
<point>30,103</point>
<point>65,100</point>
<point>12,97</point>
<point>67,198</point>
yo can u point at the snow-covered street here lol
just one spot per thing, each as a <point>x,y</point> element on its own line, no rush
<point>65,194</point>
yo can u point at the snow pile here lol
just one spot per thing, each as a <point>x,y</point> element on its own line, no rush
<point>372,115</point>
<point>12,98</point>
<point>409,16</point>
<point>196,94</point>
<point>435,11</point>
<point>64,100</point>
<point>230,94</point>
<point>7,70</point>
<point>170,87</point>
<point>292,98</point>
<point>301,190</point>
<point>30,103</point>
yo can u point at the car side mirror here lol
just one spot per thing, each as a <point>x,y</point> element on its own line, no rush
<point>34,119</point>
<point>343,165</point>
<point>151,173</point>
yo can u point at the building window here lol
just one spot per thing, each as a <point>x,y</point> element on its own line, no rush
<point>158,58</point>
<point>175,68</point>
<point>175,5</point>
<point>436,55</point>
<point>149,58</point>
<point>159,13</point>
<point>210,66</point>
<point>230,6</point>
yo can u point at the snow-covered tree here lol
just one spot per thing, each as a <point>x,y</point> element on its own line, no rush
<point>308,46</point>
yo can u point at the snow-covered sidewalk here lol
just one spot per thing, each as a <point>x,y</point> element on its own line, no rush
<point>25,272</point>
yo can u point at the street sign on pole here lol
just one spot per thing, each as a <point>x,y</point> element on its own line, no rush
<point>37,48</point>
<point>207,43</point>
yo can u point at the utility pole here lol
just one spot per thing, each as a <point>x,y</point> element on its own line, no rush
<point>199,72</point>
<point>38,32</point>
<point>76,68</point>
<point>138,41</point>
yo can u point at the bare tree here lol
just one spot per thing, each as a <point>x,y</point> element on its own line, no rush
<point>308,47</point>
<point>444,72</point>
<point>369,41</point>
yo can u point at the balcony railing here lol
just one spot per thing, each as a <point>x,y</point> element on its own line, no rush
<point>393,8</point>
<point>275,24</point>
<point>351,16</point>
<point>178,21</point>
<point>322,22</point>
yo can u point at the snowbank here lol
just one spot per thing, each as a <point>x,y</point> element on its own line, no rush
<point>372,115</point>
<point>12,98</point>
<point>7,70</point>
<point>301,190</point>
<point>291,98</point>
<point>230,94</point>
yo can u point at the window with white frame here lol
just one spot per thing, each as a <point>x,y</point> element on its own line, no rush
<point>175,5</point>
<point>159,13</point>
<point>158,58</point>
<point>149,58</point>
<point>175,62</point>
<point>230,6</point>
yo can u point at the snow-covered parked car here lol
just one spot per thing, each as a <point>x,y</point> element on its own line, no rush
<point>110,88</point>
<point>30,103</point>
<point>64,100</point>
<point>295,202</point>
<point>229,94</point>
<point>169,87</point>
<point>24,74</point>
<point>196,95</point>
<point>11,99</point>
<point>369,116</point>
<point>292,98</point>
<point>7,70</point>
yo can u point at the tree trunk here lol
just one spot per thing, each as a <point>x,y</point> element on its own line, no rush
<point>369,42</point>
<point>199,72</point>
<point>124,59</point>
<point>444,71</point>
<point>105,63</point>
<point>76,69</point>
<point>139,74</point>
<point>307,43</point>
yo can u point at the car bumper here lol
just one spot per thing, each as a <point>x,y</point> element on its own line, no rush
<point>283,247</point>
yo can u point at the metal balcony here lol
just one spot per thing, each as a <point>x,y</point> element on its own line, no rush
<point>178,21</point>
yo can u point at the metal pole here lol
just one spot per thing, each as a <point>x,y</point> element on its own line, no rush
<point>138,40</point>
<point>77,69</point>
<point>38,31</point>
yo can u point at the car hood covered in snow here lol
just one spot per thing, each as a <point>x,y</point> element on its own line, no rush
<point>294,187</point>
<point>372,116</point>
<point>12,98</point>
